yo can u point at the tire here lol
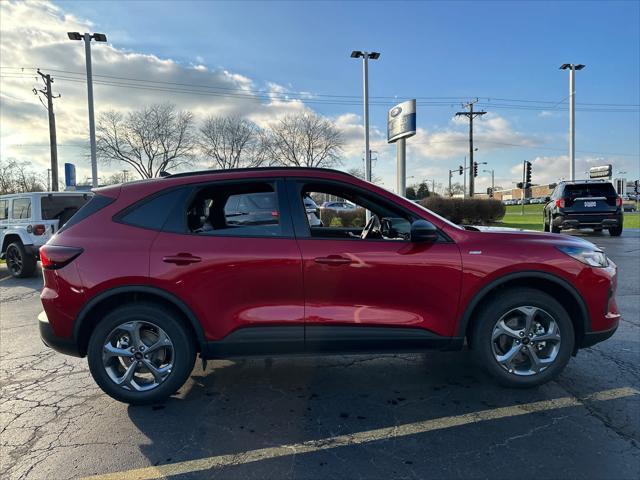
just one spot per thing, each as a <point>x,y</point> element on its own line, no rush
<point>20,263</point>
<point>176,361</point>
<point>514,374</point>
<point>553,228</point>
<point>615,231</point>
<point>546,227</point>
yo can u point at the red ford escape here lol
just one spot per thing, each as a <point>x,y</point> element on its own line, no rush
<point>231,263</point>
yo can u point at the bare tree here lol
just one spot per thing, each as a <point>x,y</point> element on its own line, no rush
<point>17,177</point>
<point>305,140</point>
<point>359,172</point>
<point>232,142</point>
<point>456,189</point>
<point>150,140</point>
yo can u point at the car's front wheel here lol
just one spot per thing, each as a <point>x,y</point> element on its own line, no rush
<point>140,354</point>
<point>523,338</point>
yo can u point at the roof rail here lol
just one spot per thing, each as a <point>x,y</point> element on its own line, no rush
<point>250,169</point>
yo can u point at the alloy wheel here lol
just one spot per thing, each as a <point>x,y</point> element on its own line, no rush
<point>138,356</point>
<point>525,340</point>
<point>14,260</point>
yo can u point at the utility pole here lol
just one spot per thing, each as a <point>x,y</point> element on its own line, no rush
<point>470,115</point>
<point>52,127</point>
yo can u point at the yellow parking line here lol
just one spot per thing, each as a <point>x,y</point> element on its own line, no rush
<point>397,431</point>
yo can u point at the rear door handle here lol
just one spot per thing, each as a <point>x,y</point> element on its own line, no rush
<point>181,259</point>
<point>333,260</point>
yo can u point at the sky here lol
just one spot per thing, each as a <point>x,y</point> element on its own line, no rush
<point>262,60</point>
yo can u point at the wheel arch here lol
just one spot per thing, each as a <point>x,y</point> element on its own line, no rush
<point>105,301</point>
<point>551,284</point>
<point>10,237</point>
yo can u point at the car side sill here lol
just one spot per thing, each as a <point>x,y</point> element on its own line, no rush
<point>330,340</point>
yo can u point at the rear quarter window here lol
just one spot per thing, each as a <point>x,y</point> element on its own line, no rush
<point>4,209</point>
<point>153,212</point>
<point>55,207</point>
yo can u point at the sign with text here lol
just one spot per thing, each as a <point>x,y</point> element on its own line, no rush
<point>603,171</point>
<point>401,121</point>
<point>69,175</point>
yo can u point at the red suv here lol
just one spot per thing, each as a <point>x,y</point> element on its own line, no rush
<point>227,263</point>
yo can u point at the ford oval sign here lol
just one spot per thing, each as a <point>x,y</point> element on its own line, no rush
<point>401,121</point>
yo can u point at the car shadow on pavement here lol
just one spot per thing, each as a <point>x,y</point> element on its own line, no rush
<point>242,405</point>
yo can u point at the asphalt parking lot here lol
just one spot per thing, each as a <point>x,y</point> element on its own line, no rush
<point>431,415</point>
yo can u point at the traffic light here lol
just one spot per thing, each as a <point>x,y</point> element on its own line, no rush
<point>527,173</point>
<point>490,191</point>
<point>636,186</point>
<point>475,169</point>
<point>460,170</point>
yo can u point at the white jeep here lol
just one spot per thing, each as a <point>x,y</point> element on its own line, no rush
<point>28,220</point>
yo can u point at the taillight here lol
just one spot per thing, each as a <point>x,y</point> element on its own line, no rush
<point>39,229</point>
<point>618,201</point>
<point>275,213</point>
<point>53,257</point>
<point>560,203</point>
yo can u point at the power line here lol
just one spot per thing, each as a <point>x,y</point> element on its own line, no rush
<point>306,96</point>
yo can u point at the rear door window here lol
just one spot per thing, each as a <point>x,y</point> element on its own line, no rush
<point>21,209</point>
<point>4,209</point>
<point>236,209</point>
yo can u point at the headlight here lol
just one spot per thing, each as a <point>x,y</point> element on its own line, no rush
<point>594,258</point>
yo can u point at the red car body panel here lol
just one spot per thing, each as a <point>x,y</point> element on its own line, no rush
<point>254,286</point>
<point>395,284</point>
<point>242,282</point>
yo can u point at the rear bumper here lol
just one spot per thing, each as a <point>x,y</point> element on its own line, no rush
<point>591,220</point>
<point>60,344</point>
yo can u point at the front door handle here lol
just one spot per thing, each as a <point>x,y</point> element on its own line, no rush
<point>181,259</point>
<point>333,260</point>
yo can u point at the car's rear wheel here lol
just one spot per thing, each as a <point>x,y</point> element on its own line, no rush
<point>140,354</point>
<point>523,337</point>
<point>615,231</point>
<point>20,263</point>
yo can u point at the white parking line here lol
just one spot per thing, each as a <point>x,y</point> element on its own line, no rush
<point>359,438</point>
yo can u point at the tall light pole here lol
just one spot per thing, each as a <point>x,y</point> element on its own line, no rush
<point>365,80</point>
<point>98,37</point>
<point>572,115</point>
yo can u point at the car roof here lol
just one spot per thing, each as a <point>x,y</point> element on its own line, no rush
<point>279,170</point>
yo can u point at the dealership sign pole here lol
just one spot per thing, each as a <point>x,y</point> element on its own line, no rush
<point>401,124</point>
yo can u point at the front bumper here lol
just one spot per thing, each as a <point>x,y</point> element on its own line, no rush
<point>60,344</point>
<point>591,338</point>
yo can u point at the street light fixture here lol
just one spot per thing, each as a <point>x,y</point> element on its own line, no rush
<point>572,115</point>
<point>365,79</point>
<point>87,37</point>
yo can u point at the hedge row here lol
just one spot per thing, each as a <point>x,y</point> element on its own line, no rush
<point>474,211</point>
<point>469,211</point>
<point>353,218</point>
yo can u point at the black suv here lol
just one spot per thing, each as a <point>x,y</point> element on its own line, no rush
<point>584,204</point>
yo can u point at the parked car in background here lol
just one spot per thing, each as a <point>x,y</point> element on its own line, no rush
<point>140,288</point>
<point>29,220</point>
<point>313,211</point>
<point>584,204</point>
<point>339,206</point>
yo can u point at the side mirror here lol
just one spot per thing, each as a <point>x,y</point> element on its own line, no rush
<point>423,231</point>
